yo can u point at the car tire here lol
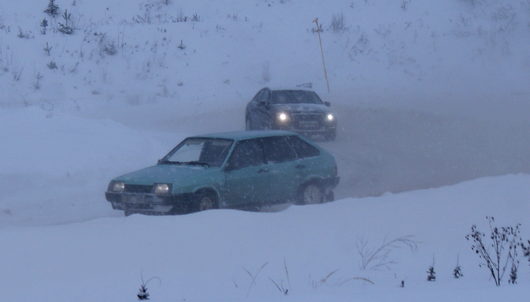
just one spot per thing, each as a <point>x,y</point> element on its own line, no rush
<point>329,196</point>
<point>311,193</point>
<point>205,201</point>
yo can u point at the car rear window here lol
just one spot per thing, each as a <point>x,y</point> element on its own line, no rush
<point>277,150</point>
<point>302,148</point>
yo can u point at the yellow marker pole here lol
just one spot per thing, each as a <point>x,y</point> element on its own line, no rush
<point>322,52</point>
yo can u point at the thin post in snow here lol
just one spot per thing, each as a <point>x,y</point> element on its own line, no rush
<point>318,30</point>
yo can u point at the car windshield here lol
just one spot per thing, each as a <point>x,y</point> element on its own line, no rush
<point>295,97</point>
<point>207,152</point>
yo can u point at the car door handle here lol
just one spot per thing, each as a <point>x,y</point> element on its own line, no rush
<point>300,166</point>
<point>263,170</point>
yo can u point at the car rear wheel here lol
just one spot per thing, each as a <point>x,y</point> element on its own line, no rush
<point>311,194</point>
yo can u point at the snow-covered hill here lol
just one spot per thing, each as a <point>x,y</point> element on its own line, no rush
<point>458,55</point>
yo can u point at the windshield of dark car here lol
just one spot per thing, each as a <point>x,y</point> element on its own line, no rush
<point>208,152</point>
<point>295,97</point>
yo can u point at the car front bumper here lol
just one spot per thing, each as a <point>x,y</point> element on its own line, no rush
<point>148,203</point>
<point>307,125</point>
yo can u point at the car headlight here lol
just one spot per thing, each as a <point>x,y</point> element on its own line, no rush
<point>282,117</point>
<point>117,187</point>
<point>162,189</point>
<point>330,117</point>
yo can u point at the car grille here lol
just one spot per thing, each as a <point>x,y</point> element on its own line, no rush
<point>138,188</point>
<point>308,121</point>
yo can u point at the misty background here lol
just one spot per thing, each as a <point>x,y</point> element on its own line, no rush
<point>427,94</point>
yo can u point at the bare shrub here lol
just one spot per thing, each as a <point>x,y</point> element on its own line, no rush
<point>457,272</point>
<point>44,26</point>
<point>498,251</point>
<point>107,46</point>
<point>143,293</point>
<point>253,276</point>
<point>379,257</point>
<point>280,286</point>
<point>52,65</point>
<point>24,34</point>
<point>405,4</point>
<point>526,249</point>
<point>38,78</point>
<point>337,23</point>
<point>323,280</point>
<point>17,74</point>
<point>67,27</point>
<point>47,49</point>
<point>52,9</point>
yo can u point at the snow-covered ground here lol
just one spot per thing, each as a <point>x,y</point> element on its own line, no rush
<point>206,256</point>
<point>427,95</point>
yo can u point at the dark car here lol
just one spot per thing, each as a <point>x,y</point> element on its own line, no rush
<point>301,111</point>
<point>243,170</point>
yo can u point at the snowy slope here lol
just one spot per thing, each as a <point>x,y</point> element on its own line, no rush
<point>456,55</point>
<point>203,256</point>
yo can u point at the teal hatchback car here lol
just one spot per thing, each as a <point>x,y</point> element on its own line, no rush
<point>241,170</point>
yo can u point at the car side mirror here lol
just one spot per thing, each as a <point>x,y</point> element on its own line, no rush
<point>327,104</point>
<point>264,104</point>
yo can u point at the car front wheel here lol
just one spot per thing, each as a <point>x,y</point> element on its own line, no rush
<point>205,202</point>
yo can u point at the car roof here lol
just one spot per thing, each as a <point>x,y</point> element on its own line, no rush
<point>243,135</point>
<point>290,89</point>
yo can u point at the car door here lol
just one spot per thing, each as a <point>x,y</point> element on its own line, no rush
<point>280,159</point>
<point>246,175</point>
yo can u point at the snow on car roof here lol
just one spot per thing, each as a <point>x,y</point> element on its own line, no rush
<point>241,135</point>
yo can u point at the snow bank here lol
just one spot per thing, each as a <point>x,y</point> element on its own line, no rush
<point>205,256</point>
<point>54,167</point>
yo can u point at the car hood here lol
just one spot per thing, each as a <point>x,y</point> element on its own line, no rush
<point>181,174</point>
<point>304,107</point>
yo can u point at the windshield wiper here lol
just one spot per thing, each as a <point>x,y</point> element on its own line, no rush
<point>170,162</point>
<point>197,163</point>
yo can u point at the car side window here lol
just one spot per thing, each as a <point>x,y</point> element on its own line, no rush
<point>255,99</point>
<point>246,153</point>
<point>302,148</point>
<point>264,96</point>
<point>277,150</point>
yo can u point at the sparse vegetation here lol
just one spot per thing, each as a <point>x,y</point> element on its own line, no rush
<point>431,273</point>
<point>498,250</point>
<point>338,23</point>
<point>52,65</point>
<point>52,10</point>
<point>254,276</point>
<point>283,285</point>
<point>379,257</point>
<point>66,27</point>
